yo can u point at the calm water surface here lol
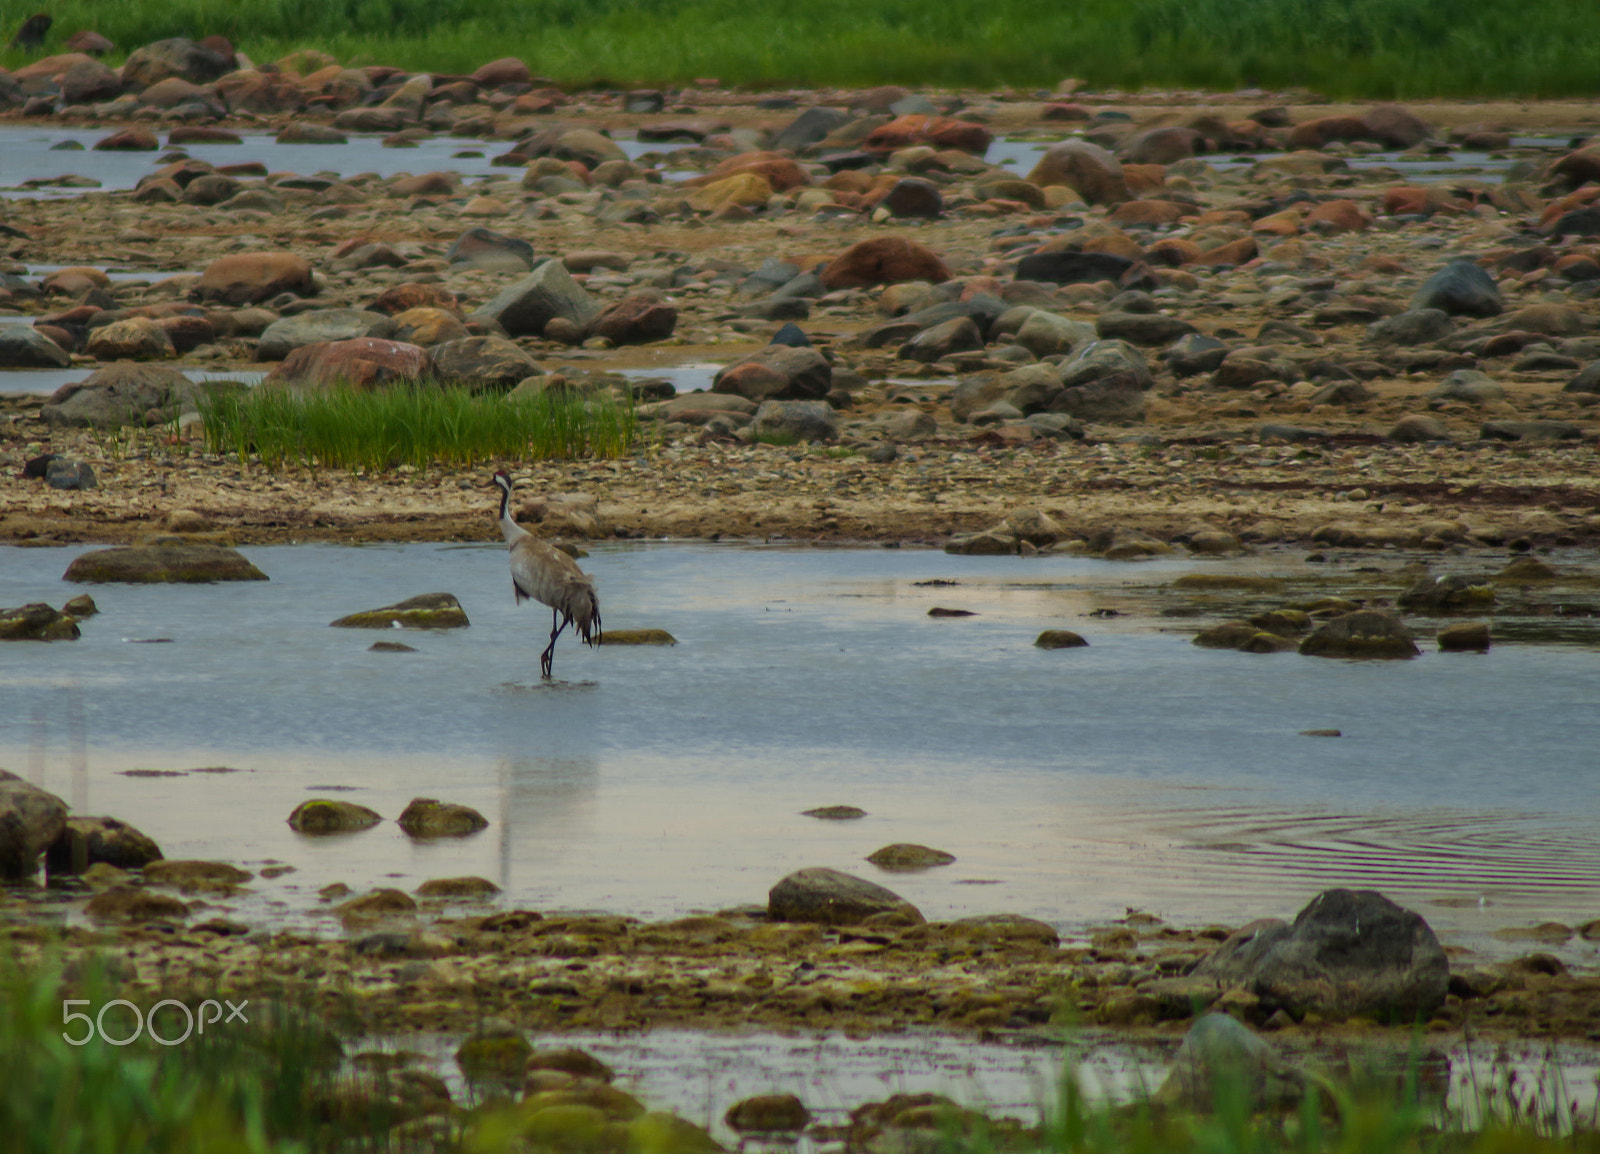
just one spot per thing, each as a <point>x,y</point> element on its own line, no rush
<point>1070,785</point>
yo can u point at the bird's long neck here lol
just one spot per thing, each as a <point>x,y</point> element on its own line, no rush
<point>509,529</point>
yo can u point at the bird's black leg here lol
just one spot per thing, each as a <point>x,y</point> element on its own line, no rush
<point>547,658</point>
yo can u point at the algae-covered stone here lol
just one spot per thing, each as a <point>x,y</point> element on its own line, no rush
<point>496,1050</point>
<point>1229,581</point>
<point>835,813</point>
<point>134,904</point>
<point>167,561</point>
<point>196,875</point>
<point>588,1092</point>
<point>569,1128</point>
<point>1449,594</point>
<point>768,1113</point>
<point>426,611</point>
<point>427,817</point>
<point>322,815</point>
<point>378,904</point>
<point>637,637</point>
<point>87,841</point>
<point>80,607</point>
<point>467,887</point>
<point>1364,633</point>
<point>1059,639</point>
<point>571,1060</point>
<point>1468,637</point>
<point>1226,635</point>
<point>661,1133</point>
<point>1524,570</point>
<point>906,856</point>
<point>37,622</point>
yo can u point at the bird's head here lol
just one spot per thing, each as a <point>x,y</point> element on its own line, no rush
<point>503,479</point>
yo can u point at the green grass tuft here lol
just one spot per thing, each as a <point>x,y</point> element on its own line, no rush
<point>422,425</point>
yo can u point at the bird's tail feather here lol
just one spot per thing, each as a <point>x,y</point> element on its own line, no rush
<point>583,610</point>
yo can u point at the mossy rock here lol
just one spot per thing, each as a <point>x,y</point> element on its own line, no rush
<point>1468,637</point>
<point>571,1060</point>
<point>191,876</point>
<point>1059,639</point>
<point>425,817</point>
<point>467,888</point>
<point>135,904</point>
<point>1286,622</point>
<point>165,561</point>
<point>1451,594</point>
<point>835,813</point>
<point>378,904</point>
<point>496,1051</point>
<point>905,856</point>
<point>427,611</point>
<point>637,637</point>
<point>591,1092</point>
<point>324,815</point>
<point>1369,633</point>
<point>662,1133</point>
<point>768,1113</point>
<point>567,1128</point>
<point>37,622</point>
<point>80,607</point>
<point>1227,635</point>
<point>1527,571</point>
<point>1326,606</point>
<point>1265,642</point>
<point>1241,582</point>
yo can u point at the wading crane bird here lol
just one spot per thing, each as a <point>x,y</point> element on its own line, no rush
<point>547,575</point>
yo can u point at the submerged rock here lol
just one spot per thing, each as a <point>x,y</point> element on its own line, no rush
<point>425,817</point>
<point>835,813</point>
<point>637,637</point>
<point>1364,633</point>
<point>191,876</point>
<point>905,856</point>
<point>1059,639</point>
<point>171,560</point>
<point>322,815</point>
<point>37,622</point>
<point>768,1113</point>
<point>425,611</point>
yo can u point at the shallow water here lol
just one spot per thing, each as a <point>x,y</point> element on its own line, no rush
<point>1140,772</point>
<point>43,382</point>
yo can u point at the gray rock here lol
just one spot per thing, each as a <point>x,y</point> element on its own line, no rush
<point>1418,428</point>
<point>1349,953</point>
<point>1073,267</point>
<point>547,293</point>
<point>1045,333</point>
<point>829,897</point>
<point>952,336</point>
<point>1453,593</point>
<point>1194,354</point>
<point>286,334</point>
<point>166,561</point>
<point>1460,288</point>
<point>1031,388</point>
<point>64,474</point>
<point>1530,431</point>
<point>1220,1056</point>
<point>31,819</point>
<point>789,421</point>
<point>1117,399</point>
<point>1142,328</point>
<point>777,373</point>
<point>483,363</point>
<point>24,347</point>
<point>913,199</point>
<point>178,57</point>
<point>1100,359</point>
<point>1413,327</point>
<point>88,840</point>
<point>1468,385</point>
<point>1587,380</point>
<point>121,394</point>
<point>486,249</point>
<point>809,127</point>
<point>904,857</point>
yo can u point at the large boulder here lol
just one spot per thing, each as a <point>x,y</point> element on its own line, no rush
<point>547,293</point>
<point>318,326</point>
<point>180,57</point>
<point>787,422</point>
<point>1220,1056</point>
<point>37,622</point>
<point>24,347</point>
<point>252,277</point>
<point>121,394</point>
<point>169,560</point>
<point>1364,633</point>
<point>31,819</point>
<point>832,898</point>
<point>884,260</point>
<point>1349,953</point>
<point>87,841</point>
<point>1460,288</point>
<point>362,362</point>
<point>130,339</point>
<point>777,373</point>
<point>1089,170</point>
<point>483,363</point>
<point>637,319</point>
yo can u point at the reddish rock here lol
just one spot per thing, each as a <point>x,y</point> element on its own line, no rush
<point>884,260</point>
<point>1064,112</point>
<point>202,134</point>
<point>637,319</point>
<point>937,131</point>
<point>404,297</point>
<point>130,339</point>
<point>175,90</point>
<point>499,73</point>
<point>1172,251</point>
<point>1234,252</point>
<point>251,91</point>
<point>1579,167</point>
<point>128,140</point>
<point>88,82</point>
<point>780,172</point>
<point>249,278</point>
<point>1147,212</point>
<point>187,332</point>
<point>90,43</point>
<point>1336,216</point>
<point>51,65</point>
<point>364,362</point>
<point>1325,130</point>
<point>1485,141</point>
<point>1394,127</point>
<point>425,184</point>
<point>73,282</point>
<point>1089,170</point>
<point>1143,178</point>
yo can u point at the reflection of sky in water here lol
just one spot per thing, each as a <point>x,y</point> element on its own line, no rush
<point>1140,771</point>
